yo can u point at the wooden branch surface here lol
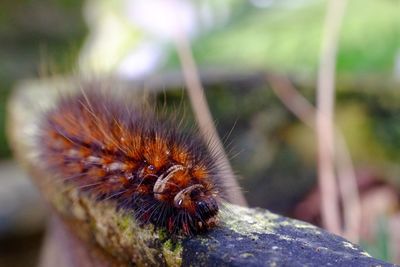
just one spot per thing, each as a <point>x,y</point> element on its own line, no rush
<point>246,237</point>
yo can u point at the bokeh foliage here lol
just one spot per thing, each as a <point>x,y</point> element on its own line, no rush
<point>36,38</point>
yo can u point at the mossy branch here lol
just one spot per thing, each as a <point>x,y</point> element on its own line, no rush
<point>246,237</point>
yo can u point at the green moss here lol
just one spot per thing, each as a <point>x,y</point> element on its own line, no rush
<point>260,222</point>
<point>125,222</point>
<point>172,253</point>
<point>300,225</point>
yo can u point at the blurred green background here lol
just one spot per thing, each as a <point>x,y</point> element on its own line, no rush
<point>276,152</point>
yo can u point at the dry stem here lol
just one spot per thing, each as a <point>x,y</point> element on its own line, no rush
<point>302,108</point>
<point>324,116</point>
<point>203,116</point>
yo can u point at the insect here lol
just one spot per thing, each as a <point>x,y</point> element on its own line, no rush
<point>145,164</point>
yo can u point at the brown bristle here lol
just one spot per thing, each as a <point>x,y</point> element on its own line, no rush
<point>148,166</point>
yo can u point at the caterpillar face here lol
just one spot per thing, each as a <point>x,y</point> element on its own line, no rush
<point>196,200</point>
<point>205,211</point>
<point>148,166</point>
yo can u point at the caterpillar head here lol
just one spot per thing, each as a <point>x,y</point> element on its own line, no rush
<point>195,202</point>
<point>200,204</point>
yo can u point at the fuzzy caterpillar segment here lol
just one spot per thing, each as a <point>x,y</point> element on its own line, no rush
<point>115,152</point>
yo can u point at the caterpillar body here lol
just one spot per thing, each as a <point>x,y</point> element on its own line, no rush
<point>145,164</point>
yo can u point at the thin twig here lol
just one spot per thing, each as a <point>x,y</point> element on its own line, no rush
<point>304,110</point>
<point>292,99</point>
<point>324,117</point>
<point>348,190</point>
<point>203,116</point>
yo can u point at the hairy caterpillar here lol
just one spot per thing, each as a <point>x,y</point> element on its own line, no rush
<point>147,165</point>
